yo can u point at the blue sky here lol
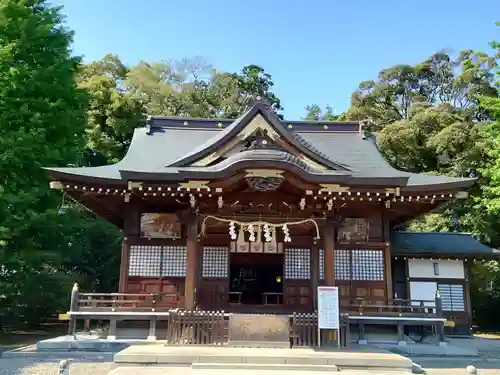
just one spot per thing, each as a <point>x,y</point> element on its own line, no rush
<point>317,51</point>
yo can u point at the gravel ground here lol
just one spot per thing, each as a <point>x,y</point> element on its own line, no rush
<point>32,367</point>
<point>11,366</point>
<point>487,364</point>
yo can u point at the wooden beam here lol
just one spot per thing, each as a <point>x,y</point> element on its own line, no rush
<point>192,262</point>
<point>329,245</point>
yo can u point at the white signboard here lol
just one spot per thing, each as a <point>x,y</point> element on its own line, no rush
<point>328,307</point>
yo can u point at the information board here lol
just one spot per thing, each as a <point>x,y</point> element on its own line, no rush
<point>328,307</point>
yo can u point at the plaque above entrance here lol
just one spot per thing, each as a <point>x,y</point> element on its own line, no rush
<point>259,331</point>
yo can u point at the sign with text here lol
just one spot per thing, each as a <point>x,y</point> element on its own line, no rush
<point>328,307</point>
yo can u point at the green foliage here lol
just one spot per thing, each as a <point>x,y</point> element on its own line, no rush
<point>315,113</point>
<point>436,117</point>
<point>42,119</point>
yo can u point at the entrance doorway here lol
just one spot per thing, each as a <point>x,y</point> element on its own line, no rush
<point>256,279</point>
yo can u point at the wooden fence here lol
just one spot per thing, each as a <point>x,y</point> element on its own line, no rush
<point>197,328</point>
<point>304,331</point>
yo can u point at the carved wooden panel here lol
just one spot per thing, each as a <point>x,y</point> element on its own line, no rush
<point>353,230</point>
<point>214,294</point>
<point>372,292</point>
<point>344,293</point>
<point>297,293</point>
<point>173,289</point>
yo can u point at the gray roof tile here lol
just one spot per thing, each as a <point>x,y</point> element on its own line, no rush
<point>160,147</point>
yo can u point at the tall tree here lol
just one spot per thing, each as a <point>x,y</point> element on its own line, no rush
<point>113,112</point>
<point>42,119</point>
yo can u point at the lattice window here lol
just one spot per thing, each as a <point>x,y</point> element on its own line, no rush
<point>367,265</point>
<point>342,264</point>
<point>145,261</point>
<point>298,264</point>
<point>321,264</point>
<point>174,261</point>
<point>452,297</point>
<point>215,262</point>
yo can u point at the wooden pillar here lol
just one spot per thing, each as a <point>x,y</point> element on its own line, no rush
<point>192,262</point>
<point>386,228</point>
<point>468,303</point>
<point>124,264</point>
<point>329,245</point>
<point>388,274</point>
<point>314,273</point>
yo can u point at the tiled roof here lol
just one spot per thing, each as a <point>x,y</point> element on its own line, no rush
<point>435,243</point>
<point>168,143</point>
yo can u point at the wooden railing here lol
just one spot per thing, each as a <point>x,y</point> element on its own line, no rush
<point>398,307</point>
<point>197,328</point>
<point>120,302</point>
<point>304,331</point>
<point>211,328</point>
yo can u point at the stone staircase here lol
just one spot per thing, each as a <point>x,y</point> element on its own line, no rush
<point>220,360</point>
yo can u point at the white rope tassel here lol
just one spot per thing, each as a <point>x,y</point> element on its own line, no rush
<point>250,224</point>
<point>241,237</point>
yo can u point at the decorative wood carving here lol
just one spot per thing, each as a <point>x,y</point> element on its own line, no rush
<point>264,183</point>
<point>160,225</point>
<point>195,185</point>
<point>333,188</point>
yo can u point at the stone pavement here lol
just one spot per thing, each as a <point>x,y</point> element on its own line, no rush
<point>187,371</point>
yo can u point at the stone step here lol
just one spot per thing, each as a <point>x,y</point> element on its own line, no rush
<point>263,366</point>
<point>355,358</point>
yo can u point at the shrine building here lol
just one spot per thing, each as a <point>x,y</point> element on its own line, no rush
<point>251,215</point>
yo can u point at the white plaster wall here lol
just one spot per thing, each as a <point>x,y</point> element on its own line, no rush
<point>448,269</point>
<point>424,291</point>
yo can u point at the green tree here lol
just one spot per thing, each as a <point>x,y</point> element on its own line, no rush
<point>113,112</point>
<point>42,120</point>
<point>315,113</point>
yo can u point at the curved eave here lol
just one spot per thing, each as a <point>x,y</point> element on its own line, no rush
<point>193,173</point>
<point>239,124</point>
<point>441,185</point>
<point>105,175</point>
